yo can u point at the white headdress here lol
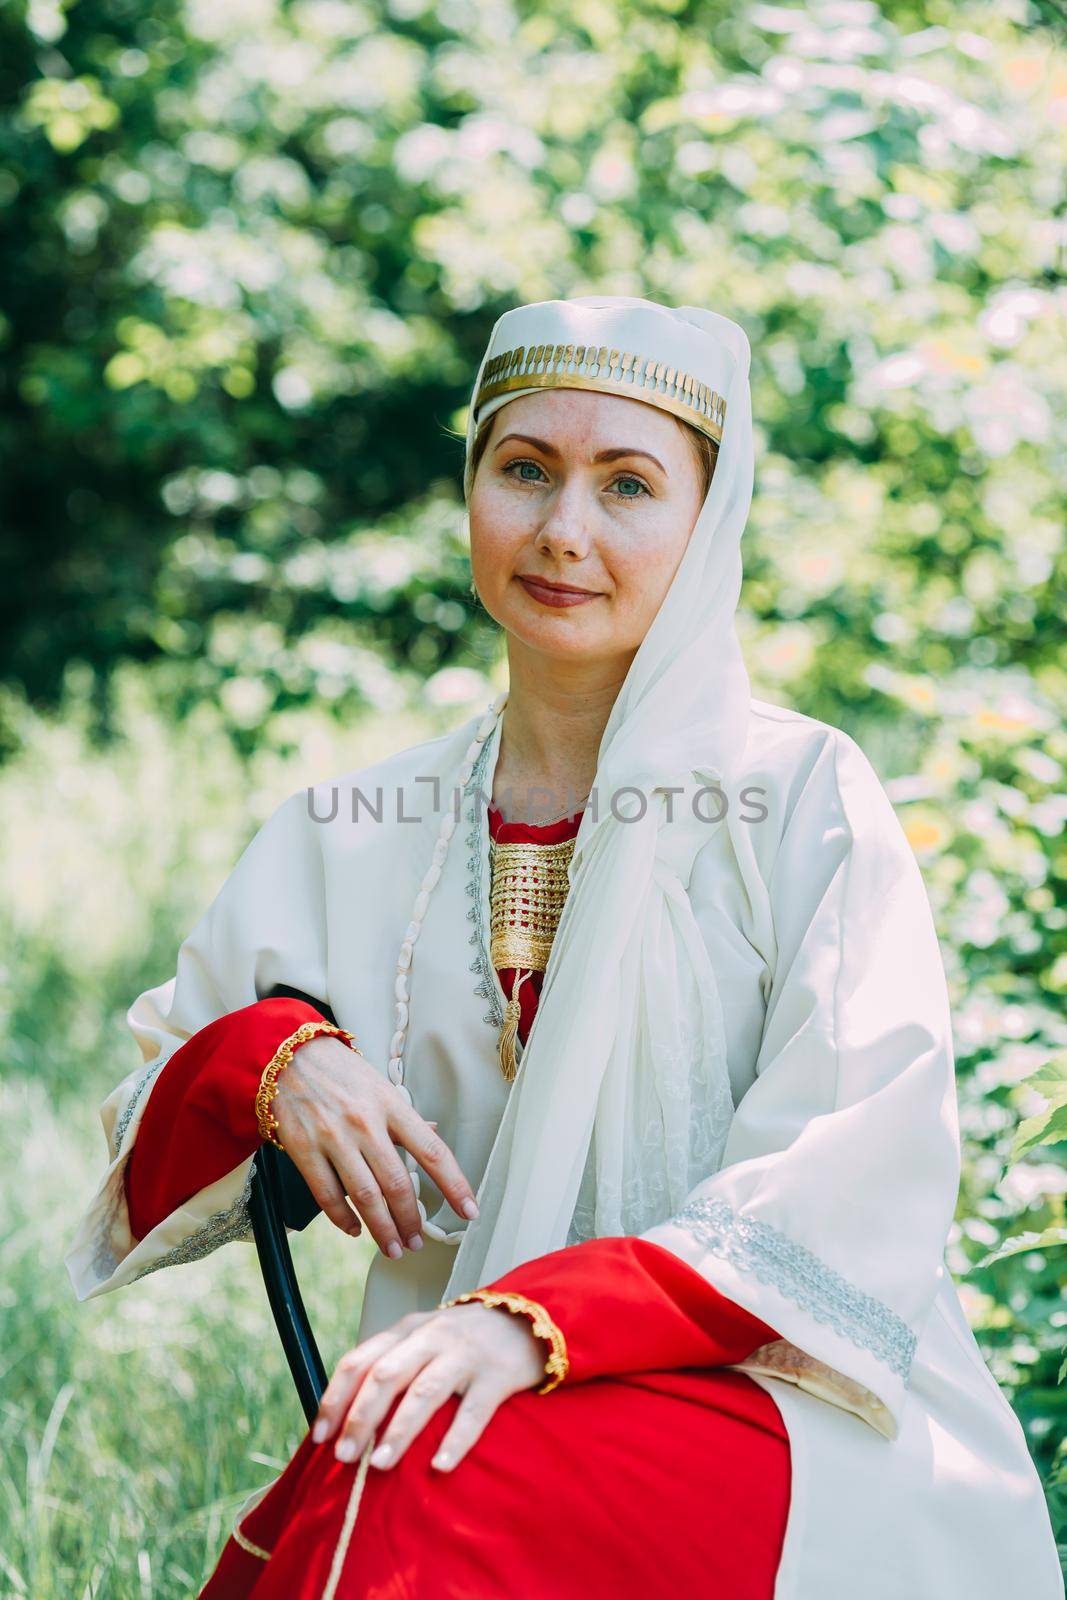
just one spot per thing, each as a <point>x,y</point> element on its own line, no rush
<point>622,1099</point>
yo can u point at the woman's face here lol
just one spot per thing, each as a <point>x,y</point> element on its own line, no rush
<point>587,489</point>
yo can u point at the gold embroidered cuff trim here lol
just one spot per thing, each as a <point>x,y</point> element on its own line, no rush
<point>558,1362</point>
<point>268,1084</point>
<point>624,372</point>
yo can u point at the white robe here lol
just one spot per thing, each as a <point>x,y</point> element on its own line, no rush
<point>829,1215</point>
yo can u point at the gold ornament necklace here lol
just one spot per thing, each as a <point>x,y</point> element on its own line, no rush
<point>528,885</point>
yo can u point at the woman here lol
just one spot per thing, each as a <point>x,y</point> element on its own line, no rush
<point>695,1179</point>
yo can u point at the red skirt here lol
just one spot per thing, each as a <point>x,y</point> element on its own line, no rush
<point>656,1483</point>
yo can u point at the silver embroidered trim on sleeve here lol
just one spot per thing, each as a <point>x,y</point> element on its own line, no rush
<point>233,1223</point>
<point>151,1073</point>
<point>795,1271</point>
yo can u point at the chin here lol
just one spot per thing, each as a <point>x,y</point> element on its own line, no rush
<point>562,639</point>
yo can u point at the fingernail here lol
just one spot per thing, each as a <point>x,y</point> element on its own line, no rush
<point>470,1209</point>
<point>415,1241</point>
<point>382,1456</point>
<point>319,1431</point>
<point>442,1460</point>
<point>395,1250</point>
<point>347,1450</point>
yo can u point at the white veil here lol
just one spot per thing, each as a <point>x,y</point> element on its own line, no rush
<point>622,1101</point>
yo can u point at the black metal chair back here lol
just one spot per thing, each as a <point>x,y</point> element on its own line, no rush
<point>280,1199</point>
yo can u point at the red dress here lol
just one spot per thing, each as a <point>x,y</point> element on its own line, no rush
<point>648,1471</point>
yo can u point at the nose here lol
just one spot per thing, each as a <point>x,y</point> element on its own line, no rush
<point>564,531</point>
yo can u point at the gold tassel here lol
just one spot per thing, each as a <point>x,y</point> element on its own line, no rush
<point>510,1031</point>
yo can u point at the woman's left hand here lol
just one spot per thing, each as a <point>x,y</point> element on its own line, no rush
<point>484,1353</point>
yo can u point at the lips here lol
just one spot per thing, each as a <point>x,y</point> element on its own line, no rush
<point>547,583</point>
<point>555,597</point>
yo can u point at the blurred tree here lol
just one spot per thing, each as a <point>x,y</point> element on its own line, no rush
<point>251,255</point>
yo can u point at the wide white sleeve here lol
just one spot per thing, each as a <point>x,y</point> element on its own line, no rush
<point>266,926</point>
<point>830,1214</point>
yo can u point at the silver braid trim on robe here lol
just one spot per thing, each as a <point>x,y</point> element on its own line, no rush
<point>800,1275</point>
<point>235,1222</point>
<point>151,1072</point>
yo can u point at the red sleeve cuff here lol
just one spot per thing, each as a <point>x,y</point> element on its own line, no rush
<point>625,1304</point>
<point>200,1119</point>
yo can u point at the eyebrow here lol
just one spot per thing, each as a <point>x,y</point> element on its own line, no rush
<point>612,454</point>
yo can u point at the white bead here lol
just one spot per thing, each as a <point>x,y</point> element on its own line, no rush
<point>403,1089</point>
<point>411,932</point>
<point>422,900</point>
<point>400,1013</point>
<point>465,773</point>
<point>403,960</point>
<point>400,987</point>
<point>448,826</point>
<point>395,1070</point>
<point>485,727</point>
<point>432,878</point>
<point>440,850</point>
<point>396,1043</point>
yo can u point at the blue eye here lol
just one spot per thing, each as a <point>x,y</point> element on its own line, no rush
<point>528,471</point>
<point>519,469</point>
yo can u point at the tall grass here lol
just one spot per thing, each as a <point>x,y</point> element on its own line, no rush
<point>133,1425</point>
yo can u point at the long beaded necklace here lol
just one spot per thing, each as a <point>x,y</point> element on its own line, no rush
<point>395,1068</point>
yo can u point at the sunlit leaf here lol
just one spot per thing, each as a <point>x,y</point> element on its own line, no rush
<point>1051,1238</point>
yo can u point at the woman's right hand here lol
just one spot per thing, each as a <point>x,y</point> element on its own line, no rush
<point>340,1120</point>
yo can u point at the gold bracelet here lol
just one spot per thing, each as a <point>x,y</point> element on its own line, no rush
<point>557,1364</point>
<point>268,1084</point>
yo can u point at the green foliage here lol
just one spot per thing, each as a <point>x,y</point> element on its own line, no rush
<point>249,258</point>
<point>1050,1125</point>
<point>252,254</point>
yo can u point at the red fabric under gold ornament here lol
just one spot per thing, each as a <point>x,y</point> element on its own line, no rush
<point>502,832</point>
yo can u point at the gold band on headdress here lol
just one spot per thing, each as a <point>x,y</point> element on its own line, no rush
<point>547,366</point>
